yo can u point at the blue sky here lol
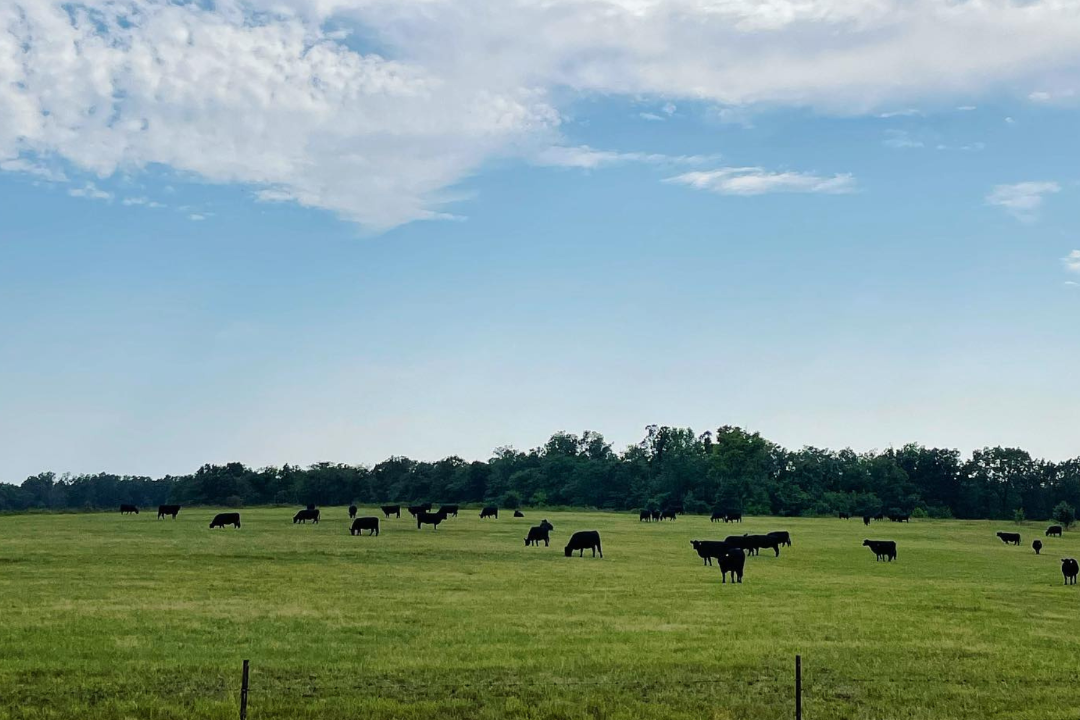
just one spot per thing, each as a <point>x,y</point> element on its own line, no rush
<point>511,244</point>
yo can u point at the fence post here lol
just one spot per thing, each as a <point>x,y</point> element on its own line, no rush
<point>244,693</point>
<point>798,687</point>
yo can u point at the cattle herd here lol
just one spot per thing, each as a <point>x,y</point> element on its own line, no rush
<point>730,553</point>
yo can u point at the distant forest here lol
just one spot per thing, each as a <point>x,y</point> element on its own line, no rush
<point>727,470</point>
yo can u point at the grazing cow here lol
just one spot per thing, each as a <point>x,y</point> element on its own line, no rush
<point>709,549</point>
<point>389,510</point>
<point>655,515</point>
<point>415,510</point>
<point>743,541</point>
<point>546,525</point>
<point>222,519</point>
<point>1036,546</point>
<point>429,518</point>
<point>489,511</point>
<point>667,515</point>
<point>536,534</point>
<point>716,517</point>
<point>783,536</point>
<point>449,510</point>
<point>733,518</point>
<point>365,523</point>
<point>644,516</point>
<point>352,512</point>
<point>304,515</point>
<point>865,519</point>
<point>584,540</point>
<point>845,516</point>
<point>883,549</point>
<point>900,518</point>
<point>518,513</point>
<point>127,509</point>
<point>733,562</point>
<point>164,510</point>
<point>766,541</point>
<point>1070,569</point>
<point>879,516</point>
<point>1053,531</point>
<point>1009,538</point>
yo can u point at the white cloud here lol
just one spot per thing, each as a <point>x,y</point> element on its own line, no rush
<point>653,117</point>
<point>260,92</point>
<point>29,167</point>
<point>967,108</point>
<point>756,181</point>
<point>587,158</point>
<point>90,191</point>
<point>1022,200</point>
<point>901,140</point>
<point>1072,261</point>
<point>909,112</point>
<point>141,202</point>
<point>1050,96</point>
<point>196,217</point>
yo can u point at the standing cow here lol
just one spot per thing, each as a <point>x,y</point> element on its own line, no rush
<point>733,562</point>
<point>584,540</point>
<point>302,516</point>
<point>1037,546</point>
<point>365,523</point>
<point>1053,531</point>
<point>128,509</point>
<point>489,512</point>
<point>352,512</point>
<point>536,534</point>
<point>164,510</point>
<point>222,519</point>
<point>428,518</point>
<point>1069,569</point>
<point>1009,538</point>
<point>883,549</point>
<point>389,510</point>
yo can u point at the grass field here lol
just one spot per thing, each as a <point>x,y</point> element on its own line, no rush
<point>104,616</point>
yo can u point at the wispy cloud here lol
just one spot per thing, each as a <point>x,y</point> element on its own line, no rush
<point>587,158</point>
<point>757,181</point>
<point>902,140</point>
<point>28,167</point>
<point>967,108</point>
<point>1051,96</point>
<point>667,110</point>
<point>1022,200</point>
<point>907,112</point>
<point>141,202</point>
<point>1072,261</point>
<point>91,191</point>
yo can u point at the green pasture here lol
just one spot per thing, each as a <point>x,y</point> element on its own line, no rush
<point>104,617</point>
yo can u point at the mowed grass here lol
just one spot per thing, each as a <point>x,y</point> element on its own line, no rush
<point>104,616</point>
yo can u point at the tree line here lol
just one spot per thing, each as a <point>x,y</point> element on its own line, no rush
<point>727,470</point>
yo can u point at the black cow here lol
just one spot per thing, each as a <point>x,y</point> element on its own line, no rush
<point>449,510</point>
<point>1053,531</point>
<point>389,510</point>
<point>365,523</point>
<point>865,519</point>
<point>879,516</point>
<point>783,536</point>
<point>426,507</point>
<point>1036,546</point>
<point>428,518</point>
<point>415,510</point>
<point>845,516</point>
<point>518,513</point>
<point>742,541</point>
<point>733,517</point>
<point>303,516</point>
<point>667,515</point>
<point>709,549</point>
<point>584,540</point>
<point>352,512</point>
<point>1009,538</point>
<point>546,525</point>
<point>1069,569</point>
<point>127,509</point>
<point>716,517</point>
<point>222,519</point>
<point>644,516</point>
<point>536,534</point>
<point>766,541</point>
<point>883,549</point>
<point>733,562</point>
<point>489,511</point>
<point>164,510</point>
<point>655,515</point>
<point>900,518</point>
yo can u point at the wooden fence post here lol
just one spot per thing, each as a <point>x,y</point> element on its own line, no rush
<point>798,687</point>
<point>244,693</point>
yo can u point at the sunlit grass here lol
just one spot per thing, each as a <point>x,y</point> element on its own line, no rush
<point>103,616</point>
